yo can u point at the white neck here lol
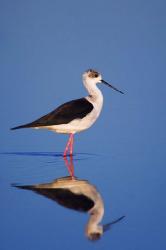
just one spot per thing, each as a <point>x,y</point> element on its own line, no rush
<point>96,215</point>
<point>95,95</point>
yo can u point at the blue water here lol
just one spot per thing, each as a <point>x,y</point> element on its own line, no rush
<point>133,189</point>
<point>45,47</point>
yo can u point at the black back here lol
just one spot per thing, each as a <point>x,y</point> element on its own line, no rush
<point>64,114</point>
<point>64,197</point>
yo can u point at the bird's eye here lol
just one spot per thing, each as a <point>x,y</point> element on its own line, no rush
<point>96,75</point>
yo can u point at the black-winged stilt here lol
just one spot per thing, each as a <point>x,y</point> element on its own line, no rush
<point>76,115</point>
<point>78,195</point>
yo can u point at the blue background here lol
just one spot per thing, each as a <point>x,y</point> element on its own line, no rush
<point>45,47</point>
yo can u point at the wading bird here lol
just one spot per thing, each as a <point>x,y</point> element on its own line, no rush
<point>78,195</point>
<point>76,115</point>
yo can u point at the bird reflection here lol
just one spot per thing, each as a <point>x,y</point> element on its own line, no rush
<point>76,194</point>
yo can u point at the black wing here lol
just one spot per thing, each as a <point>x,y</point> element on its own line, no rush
<point>64,197</point>
<point>65,113</point>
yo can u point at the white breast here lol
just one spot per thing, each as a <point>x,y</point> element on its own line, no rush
<point>79,125</point>
<point>96,98</point>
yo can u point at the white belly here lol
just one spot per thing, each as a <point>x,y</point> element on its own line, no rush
<point>76,125</point>
<point>79,125</point>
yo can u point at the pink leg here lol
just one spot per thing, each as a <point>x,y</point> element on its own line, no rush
<point>67,145</point>
<point>71,145</point>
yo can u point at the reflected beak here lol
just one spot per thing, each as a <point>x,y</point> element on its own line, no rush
<point>109,85</point>
<point>107,226</point>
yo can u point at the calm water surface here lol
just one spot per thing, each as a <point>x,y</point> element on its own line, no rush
<point>32,221</point>
<point>44,50</point>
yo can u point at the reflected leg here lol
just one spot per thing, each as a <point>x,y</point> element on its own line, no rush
<point>69,165</point>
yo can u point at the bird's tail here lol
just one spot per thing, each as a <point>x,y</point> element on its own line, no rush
<point>27,187</point>
<point>29,125</point>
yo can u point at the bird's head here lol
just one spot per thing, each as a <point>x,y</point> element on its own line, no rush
<point>94,232</point>
<point>91,77</point>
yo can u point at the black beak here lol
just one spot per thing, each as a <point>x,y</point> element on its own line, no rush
<point>109,85</point>
<point>107,226</point>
